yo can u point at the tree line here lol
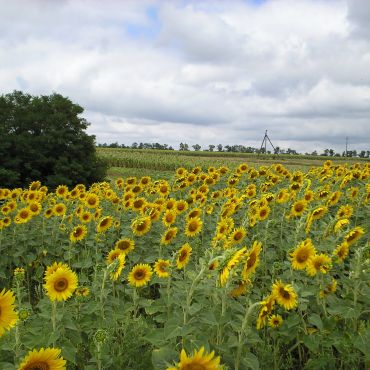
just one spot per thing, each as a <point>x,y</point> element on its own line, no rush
<point>237,149</point>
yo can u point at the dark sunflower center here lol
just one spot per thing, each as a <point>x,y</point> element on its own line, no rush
<point>169,236</point>
<point>139,275</point>
<point>351,237</point>
<point>263,213</point>
<point>298,207</point>
<point>194,367</point>
<point>61,285</point>
<point>183,256</point>
<point>238,236</point>
<point>77,233</point>
<point>251,260</point>
<point>302,256</point>
<point>140,227</point>
<point>38,366</point>
<point>104,222</point>
<point>318,264</point>
<point>193,226</point>
<point>23,214</point>
<point>284,293</point>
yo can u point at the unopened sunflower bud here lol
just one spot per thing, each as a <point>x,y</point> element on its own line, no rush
<point>100,336</point>
<point>19,274</point>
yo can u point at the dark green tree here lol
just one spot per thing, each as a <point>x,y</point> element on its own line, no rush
<point>43,138</point>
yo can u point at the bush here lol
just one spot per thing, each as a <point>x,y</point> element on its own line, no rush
<point>43,138</point>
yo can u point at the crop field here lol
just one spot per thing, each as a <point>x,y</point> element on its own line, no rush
<point>189,262</point>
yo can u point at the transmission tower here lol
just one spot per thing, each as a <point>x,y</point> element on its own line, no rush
<point>264,143</point>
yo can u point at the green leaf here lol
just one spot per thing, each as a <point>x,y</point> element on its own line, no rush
<point>315,319</point>
<point>163,357</point>
<point>251,361</point>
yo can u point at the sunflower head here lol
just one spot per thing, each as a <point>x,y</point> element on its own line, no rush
<point>60,284</point>
<point>284,294</point>
<point>8,315</point>
<point>200,360</point>
<point>43,359</point>
<point>183,256</point>
<point>140,275</point>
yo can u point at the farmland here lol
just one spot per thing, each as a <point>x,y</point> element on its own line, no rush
<point>190,261</point>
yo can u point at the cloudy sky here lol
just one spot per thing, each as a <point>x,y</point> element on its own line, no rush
<point>204,72</point>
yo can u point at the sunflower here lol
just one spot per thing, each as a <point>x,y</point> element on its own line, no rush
<point>193,226</point>
<point>340,224</point>
<point>181,206</point>
<point>275,321</point>
<point>82,292</point>
<point>91,200</point>
<point>354,235</point>
<point>116,258</point>
<point>138,204</point>
<point>334,198</point>
<point>298,208</point>
<point>54,267</point>
<point>160,268</point>
<point>169,235</point>
<point>43,359</point>
<point>318,213</point>
<point>183,256</point>
<point>23,216</point>
<point>263,212</point>
<point>309,196</point>
<point>196,212</point>
<point>125,245</point>
<point>59,209</point>
<point>85,217</point>
<point>8,316</point>
<point>237,236</point>
<point>330,288</point>
<point>78,233</point>
<point>199,361</point>
<point>345,211</point>
<point>104,224</point>
<point>234,259</point>
<point>301,255</point>
<point>341,251</point>
<point>61,284</point>
<point>252,261</point>
<point>164,189</point>
<point>62,191</point>
<point>35,208</point>
<point>169,217</point>
<point>318,263</point>
<point>284,294</point>
<point>141,226</point>
<point>239,290</point>
<point>266,309</point>
<point>112,255</point>
<point>140,275</point>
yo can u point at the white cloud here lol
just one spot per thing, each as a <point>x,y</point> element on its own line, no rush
<point>198,72</point>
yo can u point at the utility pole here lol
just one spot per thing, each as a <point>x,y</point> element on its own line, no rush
<point>264,143</point>
<point>346,145</point>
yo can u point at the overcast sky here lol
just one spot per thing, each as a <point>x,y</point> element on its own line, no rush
<point>204,72</point>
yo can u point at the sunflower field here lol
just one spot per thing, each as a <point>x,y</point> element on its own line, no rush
<point>216,268</point>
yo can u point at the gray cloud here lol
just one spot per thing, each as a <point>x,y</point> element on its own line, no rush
<point>199,72</point>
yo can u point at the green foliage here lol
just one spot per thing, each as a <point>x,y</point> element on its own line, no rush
<point>43,138</point>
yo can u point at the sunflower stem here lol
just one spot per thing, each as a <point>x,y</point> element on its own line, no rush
<point>54,319</point>
<point>102,293</point>
<point>243,332</point>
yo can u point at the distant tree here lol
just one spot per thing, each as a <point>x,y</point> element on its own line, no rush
<point>219,148</point>
<point>184,146</point>
<point>211,148</point>
<point>196,147</point>
<point>43,138</point>
<point>134,145</point>
<point>277,150</point>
